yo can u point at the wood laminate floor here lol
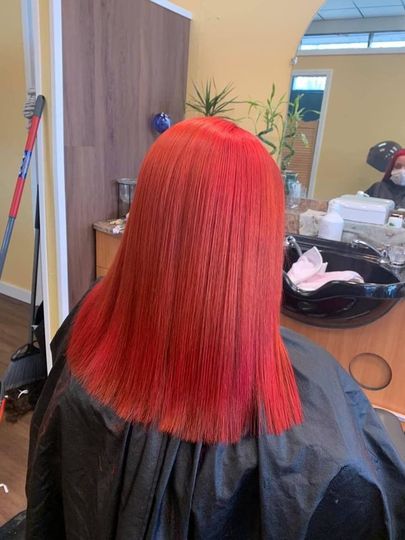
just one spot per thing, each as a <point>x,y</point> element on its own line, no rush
<point>14,320</point>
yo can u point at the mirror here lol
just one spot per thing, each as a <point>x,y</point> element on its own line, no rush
<point>350,68</point>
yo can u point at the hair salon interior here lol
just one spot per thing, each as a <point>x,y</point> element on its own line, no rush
<point>88,86</point>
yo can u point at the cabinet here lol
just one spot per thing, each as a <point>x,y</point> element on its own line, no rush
<point>106,248</point>
<point>383,337</point>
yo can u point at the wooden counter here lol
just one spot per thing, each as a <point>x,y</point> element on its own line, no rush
<point>106,247</point>
<point>108,238</point>
<point>383,337</point>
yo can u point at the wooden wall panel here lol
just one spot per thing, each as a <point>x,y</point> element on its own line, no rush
<point>124,61</point>
<point>78,56</point>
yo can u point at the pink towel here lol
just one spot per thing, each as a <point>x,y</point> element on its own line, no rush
<point>309,272</point>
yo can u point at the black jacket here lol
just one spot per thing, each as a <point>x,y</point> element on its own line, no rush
<point>386,189</point>
<point>94,476</point>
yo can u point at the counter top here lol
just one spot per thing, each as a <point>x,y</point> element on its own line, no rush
<point>114,227</point>
<point>306,222</point>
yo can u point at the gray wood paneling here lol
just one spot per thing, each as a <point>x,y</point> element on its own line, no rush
<point>123,61</point>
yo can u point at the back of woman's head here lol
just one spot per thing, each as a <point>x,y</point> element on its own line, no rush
<point>183,332</point>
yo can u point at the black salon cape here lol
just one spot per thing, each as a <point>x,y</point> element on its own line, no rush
<point>387,189</point>
<point>94,476</point>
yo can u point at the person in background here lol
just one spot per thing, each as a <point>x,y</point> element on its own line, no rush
<point>177,408</point>
<point>392,186</point>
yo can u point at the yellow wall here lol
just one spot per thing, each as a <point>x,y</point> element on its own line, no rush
<point>365,107</point>
<point>18,267</point>
<point>249,44</point>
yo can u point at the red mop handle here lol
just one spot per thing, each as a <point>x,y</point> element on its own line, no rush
<point>29,145</point>
<point>2,401</point>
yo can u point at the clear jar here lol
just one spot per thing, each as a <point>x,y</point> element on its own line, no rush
<point>292,187</point>
<point>126,190</point>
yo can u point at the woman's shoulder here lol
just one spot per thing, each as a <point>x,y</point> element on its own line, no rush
<point>375,189</point>
<point>305,354</point>
<point>323,384</point>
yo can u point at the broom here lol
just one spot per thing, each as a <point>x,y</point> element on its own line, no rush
<point>28,364</point>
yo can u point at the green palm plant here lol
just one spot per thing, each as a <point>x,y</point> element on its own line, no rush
<point>209,101</point>
<point>291,132</point>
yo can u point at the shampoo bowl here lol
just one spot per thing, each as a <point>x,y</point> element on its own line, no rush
<point>340,304</point>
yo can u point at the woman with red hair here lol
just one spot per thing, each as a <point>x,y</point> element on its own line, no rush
<point>392,186</point>
<point>176,408</point>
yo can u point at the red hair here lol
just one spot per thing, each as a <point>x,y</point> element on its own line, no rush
<point>183,333</point>
<point>391,164</point>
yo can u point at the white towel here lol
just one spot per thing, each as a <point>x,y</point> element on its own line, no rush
<point>309,272</point>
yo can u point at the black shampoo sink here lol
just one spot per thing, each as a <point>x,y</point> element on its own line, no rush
<point>340,304</point>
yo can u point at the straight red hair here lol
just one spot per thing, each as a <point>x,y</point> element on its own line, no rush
<point>183,333</point>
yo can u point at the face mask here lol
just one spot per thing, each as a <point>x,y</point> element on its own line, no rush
<point>398,177</point>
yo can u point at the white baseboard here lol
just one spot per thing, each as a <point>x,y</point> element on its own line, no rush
<point>15,292</point>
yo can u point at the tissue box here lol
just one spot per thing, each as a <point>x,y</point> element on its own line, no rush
<point>363,209</point>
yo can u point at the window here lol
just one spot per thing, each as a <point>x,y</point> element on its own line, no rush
<point>365,40</point>
<point>309,82</point>
<point>334,41</point>
<point>383,40</point>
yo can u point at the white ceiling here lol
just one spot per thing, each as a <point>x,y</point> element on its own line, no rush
<point>360,9</point>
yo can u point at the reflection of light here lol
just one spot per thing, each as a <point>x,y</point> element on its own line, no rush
<point>326,46</point>
<point>310,82</point>
<point>386,44</point>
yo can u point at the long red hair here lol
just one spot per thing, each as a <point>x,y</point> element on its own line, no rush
<point>391,164</point>
<point>183,333</point>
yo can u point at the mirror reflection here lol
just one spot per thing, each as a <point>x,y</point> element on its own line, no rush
<point>350,69</point>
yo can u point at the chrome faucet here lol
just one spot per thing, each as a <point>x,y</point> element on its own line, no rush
<point>291,241</point>
<point>382,254</point>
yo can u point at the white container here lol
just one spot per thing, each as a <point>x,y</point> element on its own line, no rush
<point>395,222</point>
<point>331,225</point>
<point>363,209</point>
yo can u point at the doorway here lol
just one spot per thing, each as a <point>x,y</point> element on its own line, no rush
<point>313,88</point>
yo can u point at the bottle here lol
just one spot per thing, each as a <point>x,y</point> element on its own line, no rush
<point>331,224</point>
<point>293,190</point>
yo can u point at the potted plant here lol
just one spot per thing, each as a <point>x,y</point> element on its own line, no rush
<point>209,101</point>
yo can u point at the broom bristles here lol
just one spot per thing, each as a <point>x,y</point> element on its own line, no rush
<point>25,369</point>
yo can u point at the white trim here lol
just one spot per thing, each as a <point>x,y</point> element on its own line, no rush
<point>59,158</point>
<point>24,295</point>
<point>344,52</point>
<point>35,22</point>
<point>26,15</point>
<point>322,121</point>
<point>173,7</point>
<point>29,63</point>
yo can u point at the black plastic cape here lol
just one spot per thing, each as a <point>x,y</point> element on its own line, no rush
<point>94,476</point>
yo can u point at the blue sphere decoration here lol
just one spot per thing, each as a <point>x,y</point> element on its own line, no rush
<point>161,122</point>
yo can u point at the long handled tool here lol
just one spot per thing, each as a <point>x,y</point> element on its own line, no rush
<point>28,364</point>
<point>22,175</point>
<point>27,367</point>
